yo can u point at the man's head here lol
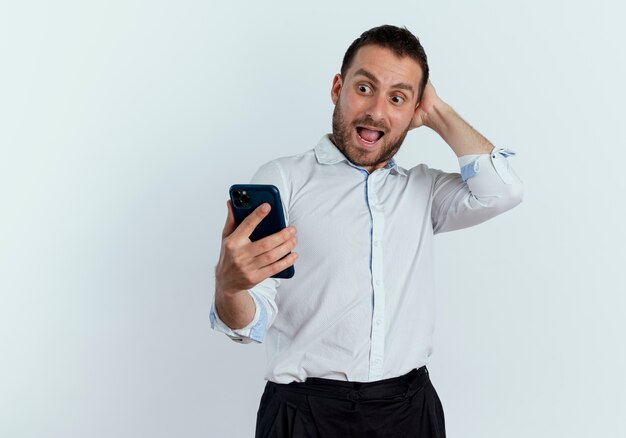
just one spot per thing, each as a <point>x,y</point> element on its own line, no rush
<point>397,39</point>
<point>382,79</point>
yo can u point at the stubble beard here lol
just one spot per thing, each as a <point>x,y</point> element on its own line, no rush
<point>342,131</point>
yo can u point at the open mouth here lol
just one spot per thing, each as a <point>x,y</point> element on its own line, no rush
<point>369,136</point>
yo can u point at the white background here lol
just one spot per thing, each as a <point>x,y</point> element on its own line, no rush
<point>123,123</point>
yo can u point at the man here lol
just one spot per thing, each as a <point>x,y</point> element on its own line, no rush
<point>349,337</point>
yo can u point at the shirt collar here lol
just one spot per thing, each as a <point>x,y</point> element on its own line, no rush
<point>327,153</point>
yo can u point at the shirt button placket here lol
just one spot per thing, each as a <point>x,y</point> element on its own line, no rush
<point>377,351</point>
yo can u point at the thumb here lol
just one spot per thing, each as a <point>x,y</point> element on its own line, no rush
<point>418,119</point>
<point>229,226</point>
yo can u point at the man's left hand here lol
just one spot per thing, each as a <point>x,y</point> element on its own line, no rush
<point>425,107</point>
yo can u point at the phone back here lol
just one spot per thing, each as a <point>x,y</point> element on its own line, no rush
<point>245,198</point>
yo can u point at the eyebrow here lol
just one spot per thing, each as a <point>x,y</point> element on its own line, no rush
<point>371,77</point>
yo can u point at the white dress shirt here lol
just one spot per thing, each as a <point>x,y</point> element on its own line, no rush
<point>361,306</point>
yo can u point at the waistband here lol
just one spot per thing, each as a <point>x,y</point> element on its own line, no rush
<point>394,388</point>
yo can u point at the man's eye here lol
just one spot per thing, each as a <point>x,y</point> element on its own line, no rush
<point>364,88</point>
<point>397,99</point>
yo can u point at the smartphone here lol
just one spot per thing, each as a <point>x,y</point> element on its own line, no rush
<point>245,198</point>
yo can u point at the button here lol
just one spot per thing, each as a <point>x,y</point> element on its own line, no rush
<point>377,282</point>
<point>375,242</point>
<point>378,322</point>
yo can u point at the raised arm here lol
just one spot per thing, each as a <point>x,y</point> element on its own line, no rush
<point>486,186</point>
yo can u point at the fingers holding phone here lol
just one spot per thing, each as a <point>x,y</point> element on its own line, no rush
<point>260,246</point>
<point>273,248</point>
<point>246,199</point>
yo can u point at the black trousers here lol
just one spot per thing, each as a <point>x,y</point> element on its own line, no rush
<point>405,406</point>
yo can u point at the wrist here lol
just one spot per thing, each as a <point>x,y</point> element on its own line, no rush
<point>225,294</point>
<point>236,309</point>
<point>438,115</point>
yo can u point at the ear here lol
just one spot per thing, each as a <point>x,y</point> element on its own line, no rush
<point>336,88</point>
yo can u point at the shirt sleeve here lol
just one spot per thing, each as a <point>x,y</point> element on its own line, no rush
<point>485,187</point>
<point>264,293</point>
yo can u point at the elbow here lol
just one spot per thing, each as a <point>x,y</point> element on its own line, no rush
<point>512,196</point>
<point>517,193</point>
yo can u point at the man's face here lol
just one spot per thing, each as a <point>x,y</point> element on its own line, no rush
<point>374,105</point>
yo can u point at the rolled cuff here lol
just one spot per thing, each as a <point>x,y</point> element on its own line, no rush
<point>471,164</point>
<point>254,331</point>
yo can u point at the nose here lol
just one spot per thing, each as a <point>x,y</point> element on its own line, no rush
<point>376,108</point>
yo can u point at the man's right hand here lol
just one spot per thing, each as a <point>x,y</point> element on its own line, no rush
<point>243,264</point>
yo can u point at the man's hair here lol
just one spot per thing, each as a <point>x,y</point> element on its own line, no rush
<point>399,40</point>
